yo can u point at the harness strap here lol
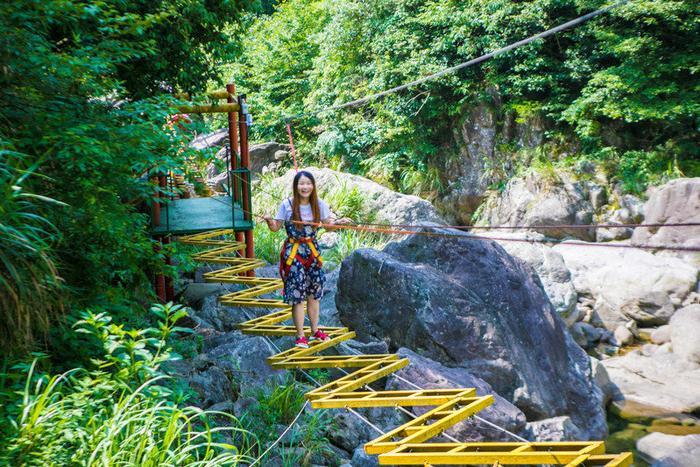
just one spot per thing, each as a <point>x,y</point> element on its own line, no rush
<point>295,248</point>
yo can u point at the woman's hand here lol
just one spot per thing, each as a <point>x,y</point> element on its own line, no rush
<point>273,224</point>
<point>343,221</point>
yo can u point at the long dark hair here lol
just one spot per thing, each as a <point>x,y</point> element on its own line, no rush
<point>313,197</point>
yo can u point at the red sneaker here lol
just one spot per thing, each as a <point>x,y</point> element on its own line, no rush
<point>319,336</point>
<point>302,343</point>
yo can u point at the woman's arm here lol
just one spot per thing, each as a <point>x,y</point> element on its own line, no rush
<point>273,224</point>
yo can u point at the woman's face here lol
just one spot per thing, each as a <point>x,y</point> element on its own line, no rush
<point>305,186</point>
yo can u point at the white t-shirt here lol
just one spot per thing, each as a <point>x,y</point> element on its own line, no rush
<point>285,211</point>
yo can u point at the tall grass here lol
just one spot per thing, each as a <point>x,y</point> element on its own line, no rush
<point>29,282</point>
<point>121,412</point>
<point>276,407</point>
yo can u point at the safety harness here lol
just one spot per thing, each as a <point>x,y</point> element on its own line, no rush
<point>286,263</point>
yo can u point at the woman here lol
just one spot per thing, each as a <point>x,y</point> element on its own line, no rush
<point>300,261</point>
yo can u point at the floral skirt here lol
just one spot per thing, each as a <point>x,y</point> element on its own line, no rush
<point>301,282</point>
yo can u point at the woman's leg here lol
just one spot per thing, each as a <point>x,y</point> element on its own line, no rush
<point>313,307</point>
<point>298,317</point>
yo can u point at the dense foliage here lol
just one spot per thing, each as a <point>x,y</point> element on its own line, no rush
<point>621,89</point>
<point>122,411</point>
<point>82,123</point>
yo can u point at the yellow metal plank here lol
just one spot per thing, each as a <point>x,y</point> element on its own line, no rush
<point>489,453</point>
<point>332,361</point>
<point>315,346</point>
<point>273,330</point>
<point>390,398</point>
<point>624,459</point>
<point>268,319</point>
<point>429,424</point>
<point>253,302</point>
<point>358,379</point>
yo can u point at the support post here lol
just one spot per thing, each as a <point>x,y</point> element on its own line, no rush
<point>234,150</point>
<point>245,163</point>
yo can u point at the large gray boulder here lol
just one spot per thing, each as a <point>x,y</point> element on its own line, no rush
<point>466,303</point>
<point>547,263</point>
<point>537,200</point>
<point>662,450</point>
<point>429,374</point>
<point>628,283</point>
<point>387,205</point>
<point>654,382</point>
<point>678,201</point>
<point>685,333</point>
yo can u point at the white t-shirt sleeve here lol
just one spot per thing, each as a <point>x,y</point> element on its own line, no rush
<point>284,213</point>
<point>325,210</point>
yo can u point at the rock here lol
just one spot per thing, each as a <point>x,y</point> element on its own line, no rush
<point>549,266</point>
<point>628,210</point>
<point>579,335</point>
<point>597,195</point>
<point>361,459</point>
<point>429,374</point>
<point>243,357</point>
<point>212,314</point>
<point>685,333</point>
<point>280,155</point>
<point>623,335</point>
<point>216,139</point>
<point>483,160</point>
<point>678,201</point>
<point>195,292</point>
<point>553,429</point>
<point>654,308</point>
<point>387,206</point>
<point>602,379</point>
<point>465,302</point>
<point>530,201</point>
<point>265,153</point>
<point>661,335</point>
<point>654,385</point>
<point>372,347</point>
<point>349,431</point>
<point>212,385</point>
<point>692,299</point>
<point>627,283</point>
<point>662,450</point>
<point>219,182</point>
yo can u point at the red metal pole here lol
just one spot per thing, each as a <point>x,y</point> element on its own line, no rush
<point>233,139</point>
<point>234,148</point>
<point>245,162</point>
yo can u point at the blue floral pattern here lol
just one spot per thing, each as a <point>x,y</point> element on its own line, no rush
<point>300,281</point>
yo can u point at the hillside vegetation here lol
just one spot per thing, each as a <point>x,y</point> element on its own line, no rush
<point>620,90</point>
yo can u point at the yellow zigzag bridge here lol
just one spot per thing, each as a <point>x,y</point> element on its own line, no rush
<point>407,444</point>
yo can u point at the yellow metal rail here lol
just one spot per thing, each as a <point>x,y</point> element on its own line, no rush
<point>407,444</point>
